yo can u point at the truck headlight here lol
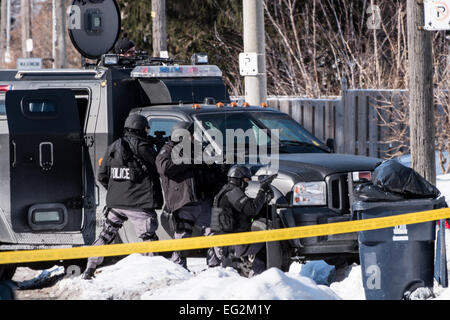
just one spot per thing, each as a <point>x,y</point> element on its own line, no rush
<point>309,194</point>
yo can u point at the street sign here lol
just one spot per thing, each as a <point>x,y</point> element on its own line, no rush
<point>248,64</point>
<point>29,63</point>
<point>437,15</point>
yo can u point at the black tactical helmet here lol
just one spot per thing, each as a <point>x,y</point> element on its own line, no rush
<point>239,171</point>
<point>236,175</point>
<point>136,122</point>
<point>123,45</point>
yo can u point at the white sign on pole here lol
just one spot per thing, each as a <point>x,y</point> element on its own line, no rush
<point>29,63</point>
<point>437,15</point>
<point>248,64</point>
<point>29,45</point>
<point>164,54</point>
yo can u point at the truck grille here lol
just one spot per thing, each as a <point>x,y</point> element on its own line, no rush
<point>338,196</point>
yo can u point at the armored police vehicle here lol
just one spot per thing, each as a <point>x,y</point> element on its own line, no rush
<point>55,126</point>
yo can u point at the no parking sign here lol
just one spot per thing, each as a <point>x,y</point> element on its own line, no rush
<point>437,15</point>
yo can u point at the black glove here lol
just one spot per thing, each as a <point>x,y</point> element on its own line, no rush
<point>269,194</point>
<point>266,181</point>
<point>266,187</point>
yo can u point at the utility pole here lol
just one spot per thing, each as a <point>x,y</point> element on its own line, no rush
<point>8,32</point>
<point>422,126</point>
<point>59,34</point>
<point>27,40</point>
<point>3,19</point>
<point>254,42</point>
<point>159,28</point>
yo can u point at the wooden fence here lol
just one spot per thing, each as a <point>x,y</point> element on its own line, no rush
<point>356,120</point>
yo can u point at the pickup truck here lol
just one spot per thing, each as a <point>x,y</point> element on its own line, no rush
<point>311,186</point>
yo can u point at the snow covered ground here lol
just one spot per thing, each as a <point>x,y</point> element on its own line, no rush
<point>138,277</point>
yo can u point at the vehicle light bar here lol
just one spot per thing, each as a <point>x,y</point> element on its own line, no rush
<point>176,71</point>
<point>6,88</point>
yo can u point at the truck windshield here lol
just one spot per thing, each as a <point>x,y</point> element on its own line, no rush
<point>293,138</point>
<point>292,135</point>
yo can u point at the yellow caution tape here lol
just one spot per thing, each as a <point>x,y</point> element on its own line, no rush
<point>12,257</point>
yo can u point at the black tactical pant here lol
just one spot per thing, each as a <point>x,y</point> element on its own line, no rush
<point>194,214</point>
<point>243,257</point>
<point>144,222</point>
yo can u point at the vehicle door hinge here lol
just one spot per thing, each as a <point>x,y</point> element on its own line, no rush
<point>89,141</point>
<point>88,202</point>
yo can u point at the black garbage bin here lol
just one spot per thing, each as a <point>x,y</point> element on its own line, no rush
<point>7,290</point>
<point>399,259</point>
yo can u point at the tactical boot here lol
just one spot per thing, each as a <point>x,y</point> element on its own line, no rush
<point>88,274</point>
<point>244,266</point>
<point>180,260</point>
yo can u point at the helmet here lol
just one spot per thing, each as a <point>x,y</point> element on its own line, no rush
<point>123,45</point>
<point>239,172</point>
<point>136,122</point>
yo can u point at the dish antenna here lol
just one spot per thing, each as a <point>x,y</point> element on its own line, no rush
<point>94,26</point>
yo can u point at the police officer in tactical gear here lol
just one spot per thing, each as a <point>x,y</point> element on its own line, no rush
<point>234,211</point>
<point>128,173</point>
<point>183,198</point>
<point>125,48</point>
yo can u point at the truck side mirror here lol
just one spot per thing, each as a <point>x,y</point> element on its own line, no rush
<point>331,144</point>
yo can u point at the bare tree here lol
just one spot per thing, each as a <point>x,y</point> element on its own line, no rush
<point>3,24</point>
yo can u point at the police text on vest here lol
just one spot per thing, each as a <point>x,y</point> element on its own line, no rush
<point>120,173</point>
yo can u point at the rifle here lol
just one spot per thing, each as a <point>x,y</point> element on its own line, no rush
<point>265,181</point>
<point>159,140</point>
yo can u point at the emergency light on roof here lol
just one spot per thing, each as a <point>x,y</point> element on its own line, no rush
<point>176,71</point>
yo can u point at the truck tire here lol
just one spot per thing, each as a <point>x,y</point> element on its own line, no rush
<point>342,262</point>
<point>7,271</point>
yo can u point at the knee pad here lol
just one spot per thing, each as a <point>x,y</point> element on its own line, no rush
<point>149,237</point>
<point>109,232</point>
<point>108,235</point>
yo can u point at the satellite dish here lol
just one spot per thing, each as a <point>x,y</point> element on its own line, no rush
<point>94,26</point>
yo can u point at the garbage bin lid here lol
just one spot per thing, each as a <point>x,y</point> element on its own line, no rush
<point>395,205</point>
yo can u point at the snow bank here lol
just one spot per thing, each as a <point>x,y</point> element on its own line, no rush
<point>443,184</point>
<point>156,278</point>
<point>126,280</point>
<point>226,284</point>
<point>351,286</point>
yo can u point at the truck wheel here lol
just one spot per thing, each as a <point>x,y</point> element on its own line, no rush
<point>342,262</point>
<point>7,271</point>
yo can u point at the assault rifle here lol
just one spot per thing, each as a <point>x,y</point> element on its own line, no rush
<point>265,181</point>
